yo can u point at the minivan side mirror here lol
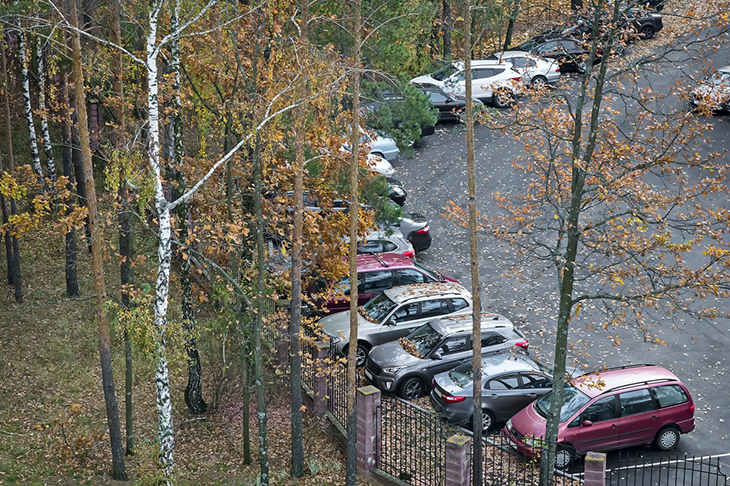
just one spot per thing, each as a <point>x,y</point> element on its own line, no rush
<point>586,423</point>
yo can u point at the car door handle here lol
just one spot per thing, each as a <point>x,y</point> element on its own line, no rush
<point>613,426</point>
<point>532,395</point>
<point>493,395</point>
<point>654,417</point>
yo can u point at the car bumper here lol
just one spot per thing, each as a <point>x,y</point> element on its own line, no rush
<point>520,446</point>
<point>453,416</point>
<point>553,77</point>
<point>687,425</point>
<point>386,383</point>
<point>420,242</point>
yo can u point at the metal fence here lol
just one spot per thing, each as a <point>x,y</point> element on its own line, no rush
<point>636,470</point>
<point>337,387</point>
<point>503,466</point>
<point>413,443</point>
<point>309,366</point>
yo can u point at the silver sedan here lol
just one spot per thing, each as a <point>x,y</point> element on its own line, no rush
<point>535,71</point>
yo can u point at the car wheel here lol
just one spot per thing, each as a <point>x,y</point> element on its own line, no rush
<point>647,32</point>
<point>581,66</point>
<point>538,82</point>
<point>487,421</point>
<point>564,456</point>
<point>378,154</point>
<point>361,353</point>
<point>411,389</point>
<point>667,438</point>
<point>502,98</point>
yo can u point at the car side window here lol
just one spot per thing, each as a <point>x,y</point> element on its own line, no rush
<point>406,313</point>
<point>567,44</point>
<point>669,395</point>
<point>434,308</point>
<point>407,276</point>
<point>437,97</point>
<point>533,381</point>
<point>492,339</point>
<point>636,401</point>
<point>455,345</point>
<point>377,281</point>
<point>389,246</point>
<point>601,410</point>
<point>518,62</point>
<point>529,63</point>
<point>507,382</point>
<point>459,304</point>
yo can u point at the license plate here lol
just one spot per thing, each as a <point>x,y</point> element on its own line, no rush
<point>368,375</point>
<point>513,445</point>
<point>438,392</point>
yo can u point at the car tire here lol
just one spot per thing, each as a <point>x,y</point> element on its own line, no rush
<point>538,82</point>
<point>667,438</point>
<point>502,98</point>
<point>646,32</point>
<point>361,353</point>
<point>411,389</point>
<point>564,457</point>
<point>488,421</point>
<point>581,67</point>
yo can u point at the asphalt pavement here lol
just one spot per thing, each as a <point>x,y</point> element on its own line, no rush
<point>697,351</point>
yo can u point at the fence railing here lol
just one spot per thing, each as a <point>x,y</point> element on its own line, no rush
<point>636,470</point>
<point>413,443</point>
<point>337,387</point>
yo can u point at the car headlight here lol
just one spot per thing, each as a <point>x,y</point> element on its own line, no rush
<point>509,425</point>
<point>393,370</point>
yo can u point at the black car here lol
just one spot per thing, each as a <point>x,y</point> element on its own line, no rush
<point>644,23</point>
<point>571,54</point>
<point>396,192</point>
<point>450,107</point>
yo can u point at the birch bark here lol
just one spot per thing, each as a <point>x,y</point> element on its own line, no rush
<point>25,80</point>
<point>47,147</point>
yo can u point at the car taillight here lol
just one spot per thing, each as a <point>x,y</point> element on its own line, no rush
<point>523,344</point>
<point>450,399</point>
<point>433,383</point>
<point>409,254</point>
<point>692,408</point>
<point>517,79</point>
<point>423,230</point>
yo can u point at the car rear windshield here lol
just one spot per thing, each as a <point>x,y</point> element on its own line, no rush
<point>573,400</point>
<point>444,72</point>
<point>379,307</point>
<point>462,375</point>
<point>425,338</point>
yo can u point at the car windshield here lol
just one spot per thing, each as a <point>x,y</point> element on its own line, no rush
<point>431,273</point>
<point>461,375</point>
<point>425,338</point>
<point>444,72</point>
<point>379,307</point>
<point>573,400</point>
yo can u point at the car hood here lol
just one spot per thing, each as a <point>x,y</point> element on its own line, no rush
<point>392,354</point>
<point>426,79</point>
<point>528,422</point>
<point>338,325</point>
<point>444,381</point>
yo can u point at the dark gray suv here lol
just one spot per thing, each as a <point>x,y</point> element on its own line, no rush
<point>436,346</point>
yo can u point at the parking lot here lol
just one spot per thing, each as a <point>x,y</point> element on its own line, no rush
<point>697,351</point>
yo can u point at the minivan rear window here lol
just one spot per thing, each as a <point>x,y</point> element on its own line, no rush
<point>669,395</point>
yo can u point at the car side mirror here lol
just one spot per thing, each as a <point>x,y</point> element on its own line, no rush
<point>449,101</point>
<point>586,423</point>
<point>437,355</point>
<point>390,321</point>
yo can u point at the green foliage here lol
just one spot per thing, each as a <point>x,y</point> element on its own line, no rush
<point>133,168</point>
<point>398,112</point>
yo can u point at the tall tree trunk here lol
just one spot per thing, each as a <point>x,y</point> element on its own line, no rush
<point>297,434</point>
<point>6,234</point>
<point>246,386</point>
<point>124,220</point>
<point>15,262</point>
<point>25,80</point>
<point>351,467</point>
<point>162,375</point>
<point>511,24</point>
<point>78,165</point>
<point>47,147</point>
<point>476,289</point>
<point>446,21</point>
<point>118,466</point>
<point>71,270</point>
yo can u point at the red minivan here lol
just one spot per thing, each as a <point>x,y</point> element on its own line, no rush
<point>612,409</point>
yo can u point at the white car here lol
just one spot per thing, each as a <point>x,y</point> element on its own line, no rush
<point>381,146</point>
<point>380,165</point>
<point>714,91</point>
<point>535,71</point>
<point>492,81</point>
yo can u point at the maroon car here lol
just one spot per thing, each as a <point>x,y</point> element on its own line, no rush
<point>375,273</point>
<point>613,409</point>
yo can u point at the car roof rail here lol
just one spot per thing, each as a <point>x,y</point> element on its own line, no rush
<point>644,382</point>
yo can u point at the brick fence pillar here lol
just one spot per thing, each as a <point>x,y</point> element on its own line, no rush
<point>320,352</point>
<point>458,461</point>
<point>368,409</point>
<point>595,469</point>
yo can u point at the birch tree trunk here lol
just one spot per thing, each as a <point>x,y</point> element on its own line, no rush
<point>118,466</point>
<point>15,261</point>
<point>25,80</point>
<point>47,147</point>
<point>351,467</point>
<point>162,376</point>
<point>297,434</point>
<point>124,220</point>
